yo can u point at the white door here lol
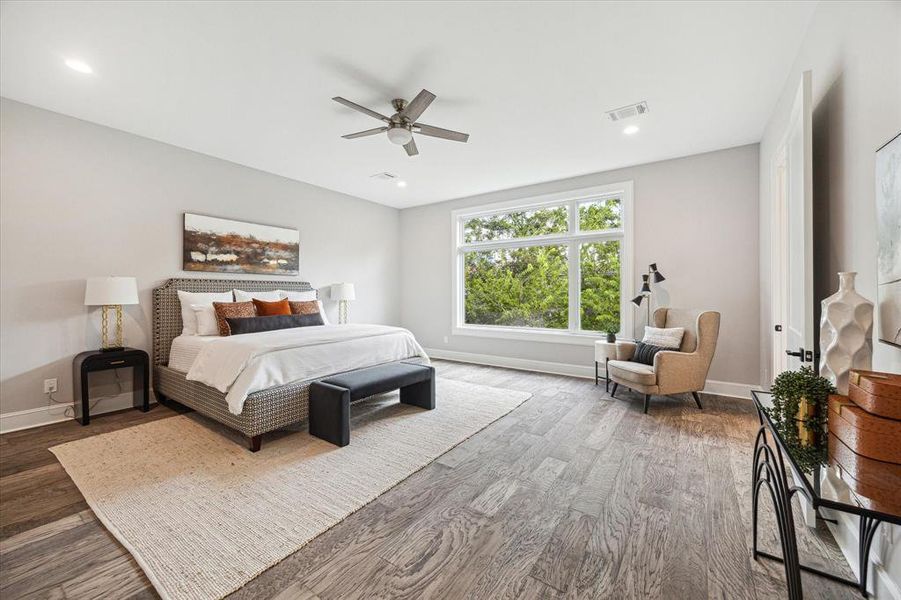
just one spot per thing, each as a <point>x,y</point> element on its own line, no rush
<point>793,246</point>
<point>793,238</point>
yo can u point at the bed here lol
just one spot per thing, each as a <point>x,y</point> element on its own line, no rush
<point>259,410</point>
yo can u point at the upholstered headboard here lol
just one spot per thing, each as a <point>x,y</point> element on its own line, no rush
<point>167,309</point>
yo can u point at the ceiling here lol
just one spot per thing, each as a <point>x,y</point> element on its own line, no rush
<point>252,82</point>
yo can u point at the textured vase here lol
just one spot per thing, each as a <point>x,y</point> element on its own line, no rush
<point>846,333</point>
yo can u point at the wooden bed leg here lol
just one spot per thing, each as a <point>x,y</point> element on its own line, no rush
<point>254,442</point>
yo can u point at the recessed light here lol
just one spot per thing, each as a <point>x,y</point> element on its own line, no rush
<point>631,130</point>
<point>79,65</point>
<point>401,184</point>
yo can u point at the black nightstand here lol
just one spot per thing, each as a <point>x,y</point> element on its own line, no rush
<point>96,360</point>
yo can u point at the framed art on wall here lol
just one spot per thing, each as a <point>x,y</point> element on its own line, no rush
<point>888,236</point>
<point>227,246</point>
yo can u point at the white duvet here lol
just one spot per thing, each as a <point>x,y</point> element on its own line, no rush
<point>242,364</point>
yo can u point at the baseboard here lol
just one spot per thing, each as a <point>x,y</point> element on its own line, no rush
<point>56,413</point>
<point>721,388</point>
<point>729,388</point>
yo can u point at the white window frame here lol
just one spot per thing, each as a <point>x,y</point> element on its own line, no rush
<point>573,238</point>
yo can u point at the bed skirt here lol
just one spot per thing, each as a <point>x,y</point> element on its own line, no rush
<point>264,411</point>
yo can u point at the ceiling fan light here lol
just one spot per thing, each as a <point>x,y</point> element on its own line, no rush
<point>400,135</point>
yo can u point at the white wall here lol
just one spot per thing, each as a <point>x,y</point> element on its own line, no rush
<point>854,52</point>
<point>695,216</point>
<point>80,200</point>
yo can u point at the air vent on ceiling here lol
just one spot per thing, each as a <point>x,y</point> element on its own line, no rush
<point>384,176</point>
<point>633,110</point>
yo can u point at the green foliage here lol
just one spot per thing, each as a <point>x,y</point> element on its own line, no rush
<point>600,215</point>
<point>788,390</point>
<point>525,223</point>
<point>519,287</point>
<point>529,287</point>
<point>600,266</point>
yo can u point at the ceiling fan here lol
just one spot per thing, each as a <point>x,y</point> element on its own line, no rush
<point>402,124</point>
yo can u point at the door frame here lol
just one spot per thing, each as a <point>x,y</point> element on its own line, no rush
<point>778,257</point>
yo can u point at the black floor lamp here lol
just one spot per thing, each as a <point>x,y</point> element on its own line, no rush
<point>652,275</point>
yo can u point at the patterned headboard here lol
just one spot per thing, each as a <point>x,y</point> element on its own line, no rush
<point>167,309</point>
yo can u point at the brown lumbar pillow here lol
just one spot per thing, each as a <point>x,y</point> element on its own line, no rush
<point>232,310</point>
<point>304,307</point>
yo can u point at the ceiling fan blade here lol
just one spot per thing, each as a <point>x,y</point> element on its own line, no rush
<point>438,132</point>
<point>368,132</point>
<point>362,109</point>
<point>417,105</point>
<point>411,148</point>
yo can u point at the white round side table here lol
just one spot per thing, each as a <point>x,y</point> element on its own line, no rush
<point>604,351</point>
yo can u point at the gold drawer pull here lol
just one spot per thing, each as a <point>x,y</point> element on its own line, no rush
<point>117,362</point>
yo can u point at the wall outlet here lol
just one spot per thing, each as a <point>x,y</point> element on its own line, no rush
<point>50,386</point>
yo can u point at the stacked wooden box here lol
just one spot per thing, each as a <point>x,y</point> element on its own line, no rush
<point>865,438</point>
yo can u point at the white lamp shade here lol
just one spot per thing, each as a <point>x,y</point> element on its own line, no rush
<point>102,291</point>
<point>343,291</point>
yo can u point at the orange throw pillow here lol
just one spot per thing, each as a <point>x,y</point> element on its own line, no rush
<point>272,309</point>
<point>232,310</point>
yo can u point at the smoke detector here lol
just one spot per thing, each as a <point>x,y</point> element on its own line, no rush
<point>625,112</point>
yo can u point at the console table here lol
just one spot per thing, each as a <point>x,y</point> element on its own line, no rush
<point>772,470</point>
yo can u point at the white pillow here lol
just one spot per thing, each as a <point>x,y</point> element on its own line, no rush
<point>188,319</point>
<point>670,337</point>
<point>241,296</point>
<point>205,316</point>
<point>298,296</point>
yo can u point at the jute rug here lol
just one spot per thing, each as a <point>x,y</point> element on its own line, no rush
<point>203,516</point>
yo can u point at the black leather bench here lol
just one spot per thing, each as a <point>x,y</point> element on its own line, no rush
<point>330,398</point>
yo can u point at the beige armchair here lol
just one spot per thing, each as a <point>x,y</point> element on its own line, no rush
<point>673,372</point>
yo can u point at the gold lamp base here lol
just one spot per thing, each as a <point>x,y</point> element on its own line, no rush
<point>105,344</point>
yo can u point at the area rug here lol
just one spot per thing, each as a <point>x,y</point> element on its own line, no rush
<point>202,516</point>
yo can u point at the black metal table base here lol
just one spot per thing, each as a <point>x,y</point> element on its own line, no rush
<point>769,472</point>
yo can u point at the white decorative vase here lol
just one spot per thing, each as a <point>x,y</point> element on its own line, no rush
<point>846,333</point>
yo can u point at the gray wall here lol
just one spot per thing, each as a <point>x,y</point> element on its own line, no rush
<point>853,50</point>
<point>80,200</point>
<point>695,216</point>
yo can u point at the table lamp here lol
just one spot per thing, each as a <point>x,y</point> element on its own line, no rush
<point>343,292</point>
<point>111,292</point>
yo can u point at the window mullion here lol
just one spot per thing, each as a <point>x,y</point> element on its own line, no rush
<point>574,296</point>
<point>573,267</point>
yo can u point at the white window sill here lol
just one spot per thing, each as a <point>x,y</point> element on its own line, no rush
<point>532,335</point>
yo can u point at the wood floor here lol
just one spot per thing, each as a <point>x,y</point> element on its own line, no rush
<point>572,495</point>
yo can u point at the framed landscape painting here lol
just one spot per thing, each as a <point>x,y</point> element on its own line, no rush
<point>888,236</point>
<point>226,246</point>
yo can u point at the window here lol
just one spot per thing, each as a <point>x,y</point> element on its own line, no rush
<point>550,268</point>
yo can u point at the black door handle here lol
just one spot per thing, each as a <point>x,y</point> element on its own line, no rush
<point>799,353</point>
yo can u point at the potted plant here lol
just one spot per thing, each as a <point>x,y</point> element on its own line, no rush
<point>799,413</point>
<point>611,327</point>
